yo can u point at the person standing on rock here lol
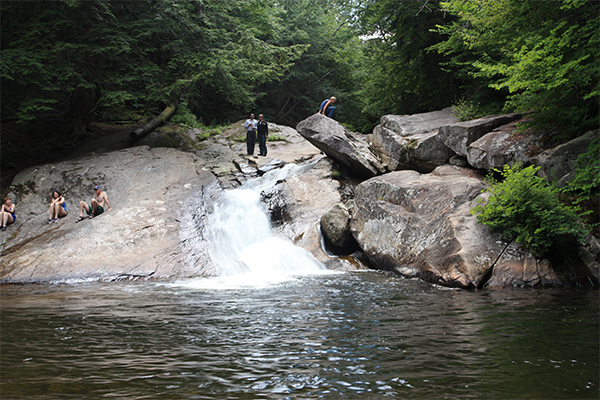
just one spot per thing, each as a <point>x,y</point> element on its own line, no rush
<point>97,206</point>
<point>250,126</point>
<point>58,207</point>
<point>7,213</point>
<point>263,134</point>
<point>327,107</point>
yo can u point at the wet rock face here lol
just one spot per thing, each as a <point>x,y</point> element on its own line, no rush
<point>140,236</point>
<point>340,144</point>
<point>335,226</point>
<point>516,267</point>
<point>276,206</point>
<point>420,226</point>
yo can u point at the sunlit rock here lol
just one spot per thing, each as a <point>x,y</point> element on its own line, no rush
<point>460,135</point>
<point>340,144</point>
<point>140,236</point>
<point>420,225</point>
<point>504,145</point>
<point>411,141</point>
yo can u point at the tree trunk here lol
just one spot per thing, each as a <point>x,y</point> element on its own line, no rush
<point>82,102</point>
<point>153,124</point>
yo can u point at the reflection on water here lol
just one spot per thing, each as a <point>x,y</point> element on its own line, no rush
<point>350,335</point>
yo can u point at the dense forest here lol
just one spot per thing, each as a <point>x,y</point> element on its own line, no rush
<point>68,63</point>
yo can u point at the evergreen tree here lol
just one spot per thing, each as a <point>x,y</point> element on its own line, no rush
<point>404,77</point>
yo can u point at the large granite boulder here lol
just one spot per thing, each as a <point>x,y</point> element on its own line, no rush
<point>420,225</point>
<point>559,164</point>
<point>340,144</point>
<point>411,142</point>
<point>140,237</point>
<point>460,135</point>
<point>296,206</point>
<point>505,145</point>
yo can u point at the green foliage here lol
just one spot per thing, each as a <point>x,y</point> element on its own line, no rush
<point>337,175</point>
<point>401,75</point>
<point>525,208</point>
<point>184,116</point>
<point>466,110</point>
<point>208,131</point>
<point>586,182</point>
<point>64,62</point>
<point>543,55</point>
<point>276,138</point>
<point>238,138</point>
<point>331,65</point>
<point>211,55</point>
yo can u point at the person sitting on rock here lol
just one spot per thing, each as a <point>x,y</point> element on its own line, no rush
<point>58,207</point>
<point>97,205</point>
<point>7,213</point>
<point>327,107</point>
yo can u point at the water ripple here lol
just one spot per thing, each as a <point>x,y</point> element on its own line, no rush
<point>349,335</point>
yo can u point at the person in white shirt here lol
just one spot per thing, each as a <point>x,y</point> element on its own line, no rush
<point>250,125</point>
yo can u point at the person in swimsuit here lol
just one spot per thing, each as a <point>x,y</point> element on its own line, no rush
<point>7,213</point>
<point>58,207</point>
<point>97,205</point>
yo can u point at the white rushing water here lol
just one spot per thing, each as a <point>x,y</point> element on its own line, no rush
<point>242,244</point>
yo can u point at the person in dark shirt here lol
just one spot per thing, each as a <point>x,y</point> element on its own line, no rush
<point>263,134</point>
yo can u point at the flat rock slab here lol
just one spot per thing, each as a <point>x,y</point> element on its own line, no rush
<point>228,159</point>
<point>139,237</point>
<point>411,141</point>
<point>460,135</point>
<point>408,125</point>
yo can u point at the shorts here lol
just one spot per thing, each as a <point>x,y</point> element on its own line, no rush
<point>99,210</point>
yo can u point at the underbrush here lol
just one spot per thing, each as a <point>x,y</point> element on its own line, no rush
<point>526,208</point>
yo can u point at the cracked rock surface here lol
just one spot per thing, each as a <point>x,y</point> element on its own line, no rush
<point>420,225</point>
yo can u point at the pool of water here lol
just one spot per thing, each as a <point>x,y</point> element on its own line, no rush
<point>329,335</point>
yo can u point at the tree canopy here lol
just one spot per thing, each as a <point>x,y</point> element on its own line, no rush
<point>65,63</point>
<point>543,54</point>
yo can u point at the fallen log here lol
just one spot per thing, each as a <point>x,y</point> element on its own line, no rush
<point>153,124</point>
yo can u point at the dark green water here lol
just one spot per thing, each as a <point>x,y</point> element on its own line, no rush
<point>347,336</point>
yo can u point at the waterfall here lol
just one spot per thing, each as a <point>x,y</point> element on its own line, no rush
<point>241,243</point>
